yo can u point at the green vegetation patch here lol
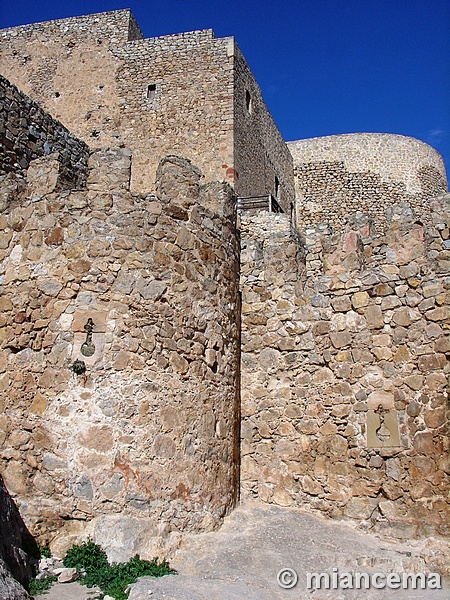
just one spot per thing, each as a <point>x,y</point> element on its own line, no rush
<point>93,567</point>
<point>41,586</point>
<point>44,551</point>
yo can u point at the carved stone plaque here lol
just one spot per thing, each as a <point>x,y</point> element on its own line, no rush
<point>382,428</point>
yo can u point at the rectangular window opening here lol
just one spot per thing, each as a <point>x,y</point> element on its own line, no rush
<point>151,91</point>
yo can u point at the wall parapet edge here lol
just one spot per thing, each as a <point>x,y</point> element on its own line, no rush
<point>27,132</point>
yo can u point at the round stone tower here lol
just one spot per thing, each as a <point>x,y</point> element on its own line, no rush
<point>337,176</point>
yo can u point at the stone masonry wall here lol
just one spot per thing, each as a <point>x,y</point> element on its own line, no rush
<point>345,368</point>
<point>119,329</point>
<point>261,155</point>
<point>120,320</point>
<point>192,111</point>
<point>88,73</point>
<point>27,132</point>
<point>337,176</point>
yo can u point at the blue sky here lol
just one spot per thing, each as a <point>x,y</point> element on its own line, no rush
<point>324,66</point>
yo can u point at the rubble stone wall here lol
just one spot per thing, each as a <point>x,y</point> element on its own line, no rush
<point>338,175</point>
<point>261,154</point>
<point>120,309</point>
<point>119,328</point>
<point>27,132</point>
<point>191,113</point>
<point>174,94</point>
<point>345,368</point>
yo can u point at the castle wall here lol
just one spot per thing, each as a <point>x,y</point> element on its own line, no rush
<point>260,153</point>
<point>338,175</point>
<point>343,333</point>
<point>87,73</point>
<point>143,443</point>
<point>120,324</point>
<point>94,75</point>
<point>192,112</point>
<point>27,132</point>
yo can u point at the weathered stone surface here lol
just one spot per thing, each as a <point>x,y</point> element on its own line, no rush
<point>386,400</point>
<point>438,314</point>
<point>121,372</point>
<point>108,171</point>
<point>374,317</point>
<point>66,575</point>
<point>342,304</point>
<point>121,359</point>
<point>56,237</point>
<point>374,355</point>
<point>50,287</point>
<point>340,339</point>
<point>360,508</point>
<point>10,588</point>
<point>413,409</point>
<point>423,443</point>
<point>431,362</point>
<point>415,382</point>
<point>15,565</point>
<point>402,317</point>
<point>360,299</point>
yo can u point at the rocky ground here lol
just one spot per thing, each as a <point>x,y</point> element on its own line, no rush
<point>68,591</point>
<point>242,560</point>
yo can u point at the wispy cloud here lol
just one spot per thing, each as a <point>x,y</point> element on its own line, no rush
<point>434,135</point>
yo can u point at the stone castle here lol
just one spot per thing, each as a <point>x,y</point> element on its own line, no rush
<point>193,310</point>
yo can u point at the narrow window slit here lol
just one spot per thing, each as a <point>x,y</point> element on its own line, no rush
<point>248,101</point>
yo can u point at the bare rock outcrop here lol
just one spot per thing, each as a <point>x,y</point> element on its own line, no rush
<point>15,567</point>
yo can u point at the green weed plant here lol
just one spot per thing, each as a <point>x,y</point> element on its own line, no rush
<point>93,567</point>
<point>41,586</point>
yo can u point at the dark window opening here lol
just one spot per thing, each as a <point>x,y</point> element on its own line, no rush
<point>151,91</point>
<point>277,187</point>
<point>248,101</point>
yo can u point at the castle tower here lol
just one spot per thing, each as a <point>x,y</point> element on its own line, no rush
<point>190,94</point>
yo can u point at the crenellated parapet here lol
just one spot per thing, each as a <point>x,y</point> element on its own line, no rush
<point>119,378</point>
<point>167,341</point>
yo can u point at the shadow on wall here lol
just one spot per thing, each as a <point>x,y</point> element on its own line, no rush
<point>17,545</point>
